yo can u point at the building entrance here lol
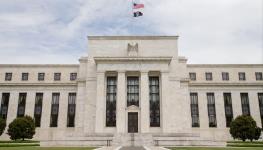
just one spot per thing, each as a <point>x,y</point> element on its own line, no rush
<point>132,122</point>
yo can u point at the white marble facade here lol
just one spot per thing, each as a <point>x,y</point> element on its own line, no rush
<point>132,56</point>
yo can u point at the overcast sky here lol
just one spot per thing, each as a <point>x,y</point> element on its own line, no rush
<point>55,31</point>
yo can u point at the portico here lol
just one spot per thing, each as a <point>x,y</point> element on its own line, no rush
<point>126,69</point>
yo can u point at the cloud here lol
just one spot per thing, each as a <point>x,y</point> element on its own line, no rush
<point>55,31</point>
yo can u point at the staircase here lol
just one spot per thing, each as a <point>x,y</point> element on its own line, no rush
<point>184,139</point>
<point>133,139</point>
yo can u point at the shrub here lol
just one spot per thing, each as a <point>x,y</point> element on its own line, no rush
<point>244,127</point>
<point>2,125</point>
<point>21,128</point>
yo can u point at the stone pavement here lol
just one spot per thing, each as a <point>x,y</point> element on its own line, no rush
<point>132,148</point>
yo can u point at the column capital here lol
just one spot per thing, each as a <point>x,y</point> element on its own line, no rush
<point>164,71</point>
<point>144,71</point>
<point>121,71</point>
<point>101,72</point>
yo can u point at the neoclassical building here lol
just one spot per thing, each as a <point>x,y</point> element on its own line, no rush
<point>131,90</point>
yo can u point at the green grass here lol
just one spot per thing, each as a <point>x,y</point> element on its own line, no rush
<point>216,148</point>
<point>20,141</point>
<point>44,148</point>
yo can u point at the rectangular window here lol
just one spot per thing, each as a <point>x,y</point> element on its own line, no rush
<point>54,110</point>
<point>38,109</point>
<point>21,105</point>
<point>259,76</point>
<point>194,109</point>
<point>57,76</point>
<point>41,76</point>
<point>24,76</point>
<point>245,104</point>
<point>4,105</point>
<point>132,91</point>
<point>111,101</point>
<point>228,108</point>
<point>211,109</point>
<point>71,109</point>
<point>73,76</point>
<point>242,76</point>
<point>8,76</point>
<point>225,76</point>
<point>192,76</point>
<point>154,101</point>
<point>260,99</point>
<point>208,76</point>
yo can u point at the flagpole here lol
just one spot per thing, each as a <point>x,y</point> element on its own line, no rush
<point>132,20</point>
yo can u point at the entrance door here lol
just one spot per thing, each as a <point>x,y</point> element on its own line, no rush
<point>132,122</point>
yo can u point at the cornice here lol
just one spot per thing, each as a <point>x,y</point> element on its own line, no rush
<point>226,84</point>
<point>225,65</point>
<point>39,65</point>
<point>133,37</point>
<point>38,84</point>
<point>125,59</point>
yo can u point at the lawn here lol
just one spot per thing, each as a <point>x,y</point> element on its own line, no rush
<point>43,148</point>
<point>209,148</point>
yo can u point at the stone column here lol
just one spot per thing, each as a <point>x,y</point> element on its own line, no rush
<point>121,102</point>
<point>254,107</point>
<point>203,112</point>
<point>63,110</point>
<point>30,103</point>
<point>100,102</point>
<point>220,110</point>
<point>12,108</point>
<point>145,106</point>
<point>46,110</point>
<point>165,114</point>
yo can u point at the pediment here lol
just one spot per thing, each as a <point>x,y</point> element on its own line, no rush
<point>133,107</point>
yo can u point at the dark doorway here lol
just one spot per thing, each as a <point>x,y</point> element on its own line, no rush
<point>132,122</point>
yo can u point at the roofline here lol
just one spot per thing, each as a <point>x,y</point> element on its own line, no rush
<point>223,65</point>
<point>39,65</point>
<point>132,37</point>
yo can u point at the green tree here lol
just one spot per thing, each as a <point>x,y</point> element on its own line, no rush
<point>21,128</point>
<point>244,127</point>
<point>2,125</point>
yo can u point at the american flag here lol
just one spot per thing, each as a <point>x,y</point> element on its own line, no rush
<point>137,6</point>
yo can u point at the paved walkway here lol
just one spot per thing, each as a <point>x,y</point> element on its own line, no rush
<point>131,148</point>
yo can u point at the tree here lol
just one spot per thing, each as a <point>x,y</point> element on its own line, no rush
<point>21,128</point>
<point>245,127</point>
<point>2,125</point>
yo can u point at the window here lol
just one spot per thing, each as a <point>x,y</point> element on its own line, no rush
<point>154,101</point>
<point>242,76</point>
<point>57,76</point>
<point>8,76</point>
<point>260,99</point>
<point>38,109</point>
<point>211,109</point>
<point>54,110</point>
<point>111,101</point>
<point>41,76</point>
<point>4,105</point>
<point>259,76</point>
<point>192,76</point>
<point>21,105</point>
<point>245,104</point>
<point>228,108</point>
<point>73,76</point>
<point>132,91</point>
<point>208,76</point>
<point>194,109</point>
<point>24,76</point>
<point>71,109</point>
<point>225,76</point>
